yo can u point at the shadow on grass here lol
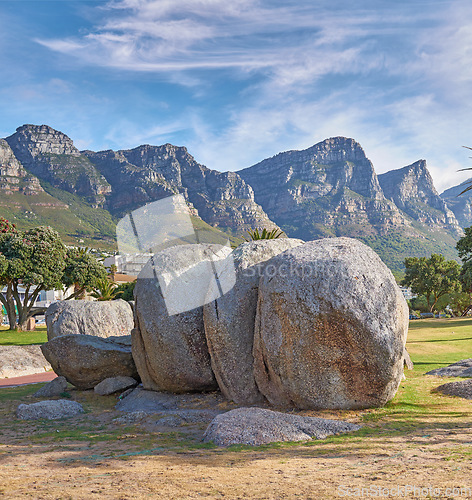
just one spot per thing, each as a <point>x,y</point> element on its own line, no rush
<point>437,340</point>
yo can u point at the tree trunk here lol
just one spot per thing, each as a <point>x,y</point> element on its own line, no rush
<point>9,304</point>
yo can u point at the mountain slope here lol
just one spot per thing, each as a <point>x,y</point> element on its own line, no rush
<point>412,190</point>
<point>460,204</point>
<point>331,189</point>
<point>148,173</point>
<point>52,156</point>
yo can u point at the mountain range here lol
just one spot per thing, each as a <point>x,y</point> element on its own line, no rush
<point>329,189</point>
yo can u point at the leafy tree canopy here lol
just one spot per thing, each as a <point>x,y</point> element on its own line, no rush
<point>82,271</point>
<point>33,259</point>
<point>433,277</point>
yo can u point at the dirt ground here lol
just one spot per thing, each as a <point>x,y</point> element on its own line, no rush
<point>102,455</point>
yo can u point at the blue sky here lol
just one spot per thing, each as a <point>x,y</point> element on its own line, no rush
<point>236,82</point>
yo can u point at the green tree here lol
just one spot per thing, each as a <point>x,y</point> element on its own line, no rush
<point>33,260</point>
<point>105,290</point>
<point>82,271</point>
<point>125,291</point>
<point>432,277</point>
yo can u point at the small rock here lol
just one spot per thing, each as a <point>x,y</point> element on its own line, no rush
<point>256,426</point>
<point>114,384</point>
<point>50,409</point>
<point>407,362</point>
<point>54,388</point>
<point>461,389</point>
<point>462,368</point>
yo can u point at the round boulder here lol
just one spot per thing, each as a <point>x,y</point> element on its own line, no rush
<point>229,320</point>
<point>331,327</point>
<point>86,317</point>
<point>168,343</point>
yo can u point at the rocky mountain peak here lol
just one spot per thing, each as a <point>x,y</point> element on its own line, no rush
<point>337,149</point>
<point>412,190</point>
<point>31,141</point>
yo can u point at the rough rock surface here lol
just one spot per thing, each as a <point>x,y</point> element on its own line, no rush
<point>171,351</point>
<point>100,319</point>
<point>257,426</point>
<point>85,360</point>
<point>54,388</point>
<point>462,389</point>
<point>462,368</point>
<point>114,384</point>
<point>51,410</point>
<point>330,329</point>
<point>13,177</point>
<point>16,361</point>
<point>230,319</point>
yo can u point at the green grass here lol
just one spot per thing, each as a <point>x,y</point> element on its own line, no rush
<point>10,337</point>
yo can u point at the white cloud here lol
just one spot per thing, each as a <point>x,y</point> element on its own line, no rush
<point>396,78</point>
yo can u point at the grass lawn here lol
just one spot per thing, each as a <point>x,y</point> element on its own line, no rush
<point>10,337</point>
<point>419,438</point>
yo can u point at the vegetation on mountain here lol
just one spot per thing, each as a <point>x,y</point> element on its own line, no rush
<point>432,277</point>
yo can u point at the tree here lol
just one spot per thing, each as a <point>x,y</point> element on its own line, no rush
<point>464,248</point>
<point>32,260</point>
<point>433,277</point>
<point>105,290</point>
<point>125,291</point>
<point>82,271</point>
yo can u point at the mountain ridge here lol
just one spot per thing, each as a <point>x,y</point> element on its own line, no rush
<point>329,189</point>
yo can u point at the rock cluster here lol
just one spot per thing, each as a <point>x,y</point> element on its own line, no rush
<point>315,325</point>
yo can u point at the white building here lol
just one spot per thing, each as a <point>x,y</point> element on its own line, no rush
<point>131,264</point>
<point>407,293</point>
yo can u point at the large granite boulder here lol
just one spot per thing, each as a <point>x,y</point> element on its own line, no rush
<point>85,360</point>
<point>257,426</point>
<point>85,317</point>
<point>330,329</point>
<point>169,343</point>
<point>229,320</point>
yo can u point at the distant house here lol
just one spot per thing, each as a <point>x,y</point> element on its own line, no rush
<point>407,293</point>
<point>129,264</point>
